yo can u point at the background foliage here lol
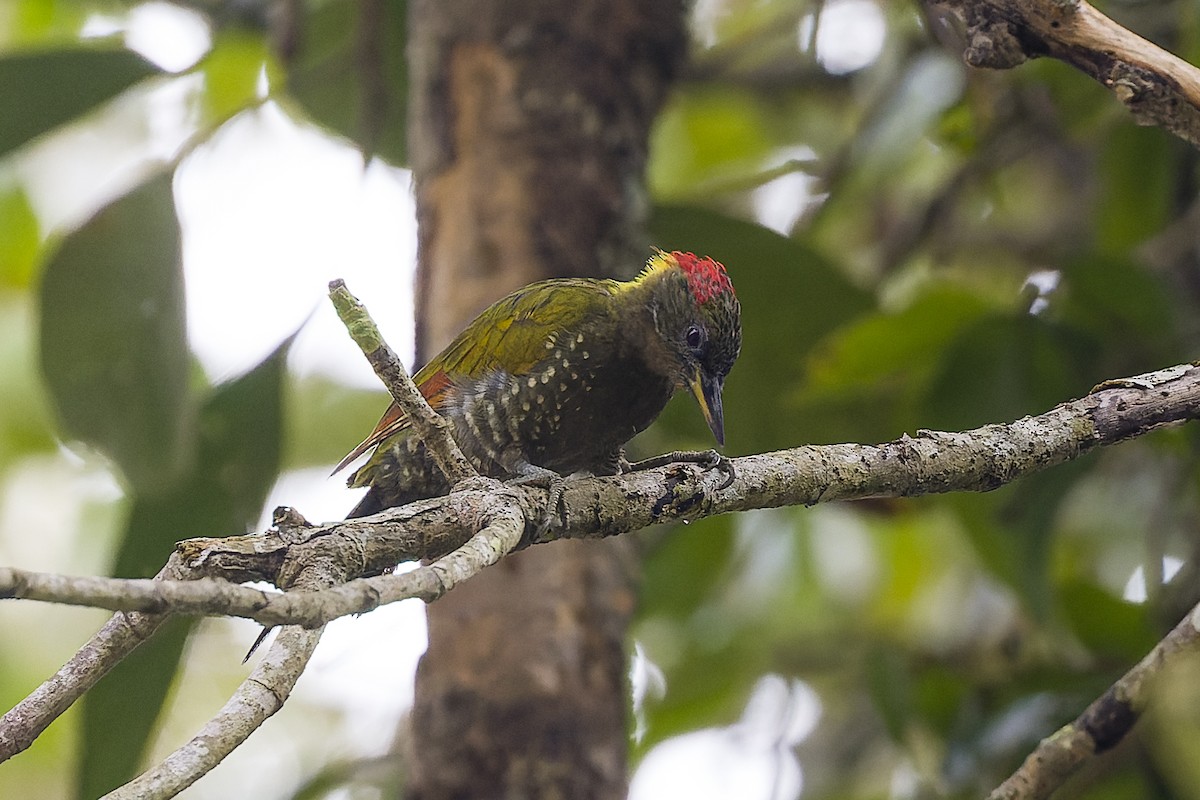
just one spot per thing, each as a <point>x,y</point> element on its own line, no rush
<point>916,245</point>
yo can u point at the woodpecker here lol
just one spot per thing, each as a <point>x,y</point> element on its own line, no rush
<point>556,377</point>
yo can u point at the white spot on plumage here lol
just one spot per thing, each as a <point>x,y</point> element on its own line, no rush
<point>533,382</point>
<point>525,406</point>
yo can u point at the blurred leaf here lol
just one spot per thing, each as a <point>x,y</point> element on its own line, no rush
<point>865,379</point>
<point>20,237</point>
<point>238,458</point>
<point>707,134</point>
<point>1001,368</point>
<point>240,442</point>
<point>890,684</point>
<point>1112,628</point>
<point>25,424</point>
<point>790,298</point>
<point>325,419</point>
<point>1139,167</point>
<point>232,71</point>
<point>42,90</point>
<point>683,570</point>
<point>350,76</point>
<point>943,698</point>
<point>883,343</point>
<point>113,341</point>
<point>1123,305</point>
<point>119,712</point>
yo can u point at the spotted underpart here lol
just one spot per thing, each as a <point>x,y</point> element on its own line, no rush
<point>558,416</point>
<point>561,374</point>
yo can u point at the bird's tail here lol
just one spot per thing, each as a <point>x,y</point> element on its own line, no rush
<point>369,504</point>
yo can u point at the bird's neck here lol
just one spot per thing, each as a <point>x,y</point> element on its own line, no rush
<point>641,305</point>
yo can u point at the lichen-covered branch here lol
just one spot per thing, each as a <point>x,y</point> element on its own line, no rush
<point>1158,88</point>
<point>1103,724</point>
<point>364,549</point>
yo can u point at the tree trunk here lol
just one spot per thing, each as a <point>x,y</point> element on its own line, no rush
<point>528,134</point>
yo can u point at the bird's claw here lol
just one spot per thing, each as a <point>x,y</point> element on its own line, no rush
<point>555,486</point>
<point>707,459</point>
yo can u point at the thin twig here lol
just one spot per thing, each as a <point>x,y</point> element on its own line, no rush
<point>119,637</point>
<point>426,423</point>
<point>270,684</point>
<point>1103,724</point>
<point>260,695</point>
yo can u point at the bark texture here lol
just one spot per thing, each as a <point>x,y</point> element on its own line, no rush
<point>528,132</point>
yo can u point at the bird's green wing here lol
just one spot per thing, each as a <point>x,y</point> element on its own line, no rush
<point>511,335</point>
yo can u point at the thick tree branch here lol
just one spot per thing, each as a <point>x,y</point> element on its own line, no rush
<point>1104,723</point>
<point>1157,87</point>
<point>932,462</point>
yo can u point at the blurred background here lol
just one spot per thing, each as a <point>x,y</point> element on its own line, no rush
<point>915,244</point>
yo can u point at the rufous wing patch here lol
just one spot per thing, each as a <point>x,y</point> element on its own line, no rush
<point>433,389</point>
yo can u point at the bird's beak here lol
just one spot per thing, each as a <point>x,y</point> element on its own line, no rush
<point>707,391</point>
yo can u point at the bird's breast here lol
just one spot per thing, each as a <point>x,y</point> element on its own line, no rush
<point>569,412</point>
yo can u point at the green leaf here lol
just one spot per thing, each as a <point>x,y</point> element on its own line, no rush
<point>42,90</point>
<point>866,378</point>
<point>25,424</point>
<point>325,417</point>
<point>350,75</point>
<point>240,443</point>
<point>20,237</point>
<point>791,298</point>
<point>682,571</point>
<point>1003,367</point>
<point>232,70</point>
<point>1124,306</point>
<point>1107,625</point>
<point>119,712</point>
<point>113,341</point>
<point>238,458</point>
<point>706,135</point>
<point>1140,168</point>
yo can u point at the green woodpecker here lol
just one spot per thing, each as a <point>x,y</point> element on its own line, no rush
<point>556,377</point>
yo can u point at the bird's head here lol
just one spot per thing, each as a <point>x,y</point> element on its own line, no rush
<point>698,318</point>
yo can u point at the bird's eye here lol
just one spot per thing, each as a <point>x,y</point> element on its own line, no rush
<point>695,337</point>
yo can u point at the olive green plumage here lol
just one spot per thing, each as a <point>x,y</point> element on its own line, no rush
<point>560,374</point>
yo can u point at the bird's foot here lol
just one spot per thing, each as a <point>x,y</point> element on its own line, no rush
<point>708,459</point>
<point>554,484</point>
